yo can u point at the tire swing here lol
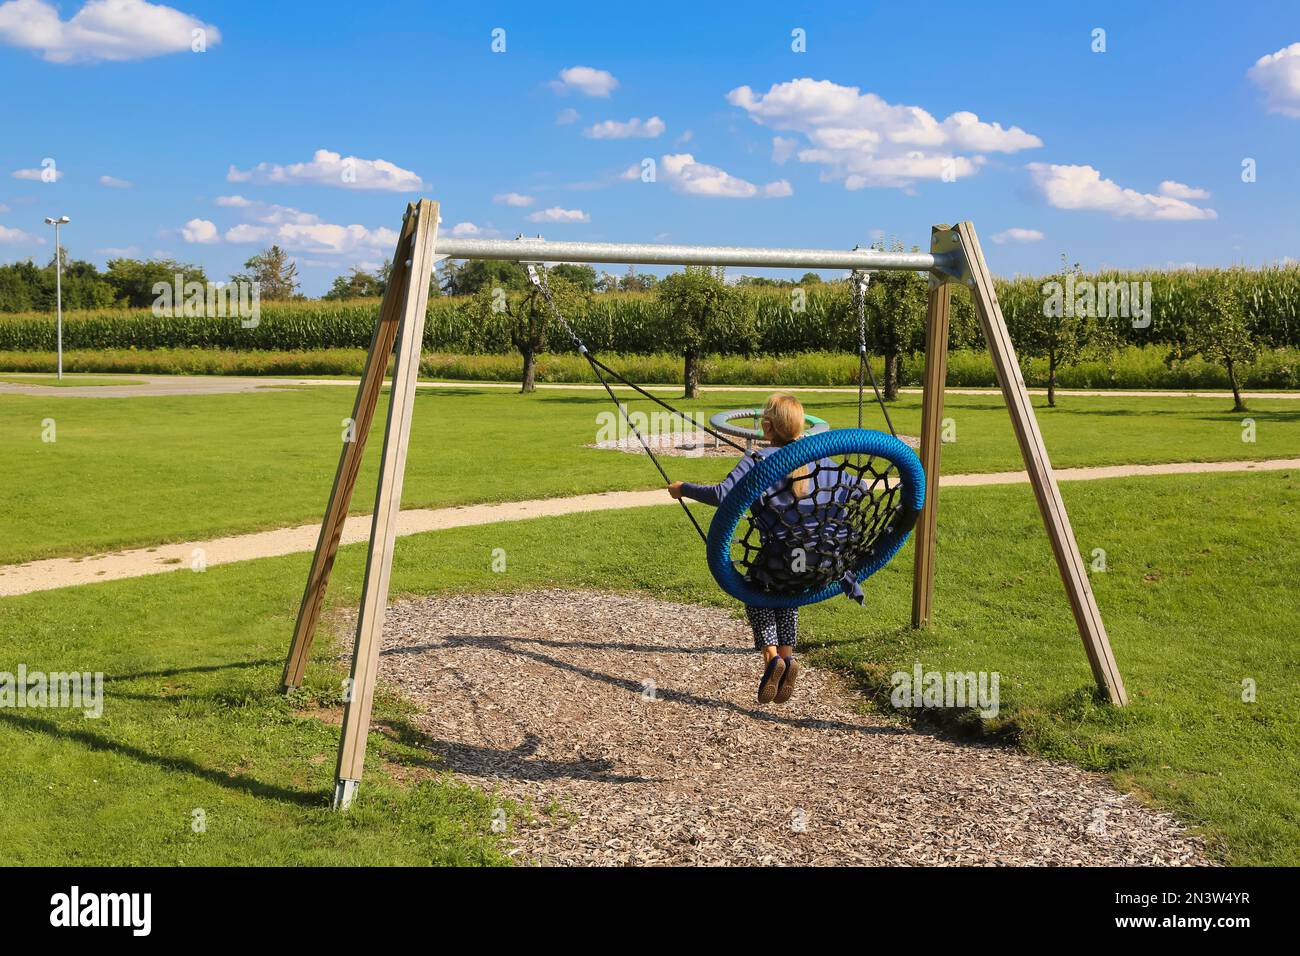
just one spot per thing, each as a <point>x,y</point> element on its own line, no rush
<point>848,510</point>
<point>722,421</point>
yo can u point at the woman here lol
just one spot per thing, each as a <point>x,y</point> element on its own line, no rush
<point>775,514</point>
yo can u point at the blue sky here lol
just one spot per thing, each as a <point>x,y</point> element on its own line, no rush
<point>312,125</point>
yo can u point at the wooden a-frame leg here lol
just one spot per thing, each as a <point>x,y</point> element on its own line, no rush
<point>388,503</point>
<point>936,374</point>
<point>358,430</point>
<point>1083,603</point>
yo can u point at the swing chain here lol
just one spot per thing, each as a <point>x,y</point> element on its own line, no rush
<point>861,279</point>
<point>538,278</point>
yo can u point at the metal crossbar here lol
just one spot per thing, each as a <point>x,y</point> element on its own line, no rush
<point>541,250</point>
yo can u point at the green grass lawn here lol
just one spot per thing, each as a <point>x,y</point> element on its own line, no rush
<point>140,471</point>
<point>193,723</point>
<point>1199,595</point>
<point>68,381</point>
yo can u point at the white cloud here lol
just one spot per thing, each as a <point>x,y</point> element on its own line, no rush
<point>38,175</point>
<point>317,237</point>
<point>1278,75</point>
<point>200,231</point>
<point>783,147</point>
<point>294,230</point>
<point>268,213</point>
<point>332,169</point>
<point>1182,191</point>
<point>566,116</point>
<point>1016,234</point>
<point>338,240</point>
<point>17,236</point>
<point>3,208</point>
<point>274,215</point>
<point>633,128</point>
<point>513,199</point>
<point>1081,187</point>
<point>467,230</point>
<point>556,214</point>
<point>333,264</point>
<point>123,252</point>
<point>861,140</point>
<point>101,30</point>
<point>685,175</point>
<point>112,182</point>
<point>246,232</point>
<point>586,80</point>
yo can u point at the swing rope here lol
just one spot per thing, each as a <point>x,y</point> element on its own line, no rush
<point>538,277</point>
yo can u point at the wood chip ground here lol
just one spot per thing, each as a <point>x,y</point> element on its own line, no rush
<point>629,726</point>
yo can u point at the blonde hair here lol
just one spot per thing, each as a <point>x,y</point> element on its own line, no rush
<point>783,413</point>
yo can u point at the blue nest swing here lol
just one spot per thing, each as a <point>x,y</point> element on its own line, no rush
<point>864,492</point>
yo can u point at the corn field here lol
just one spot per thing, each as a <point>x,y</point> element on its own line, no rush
<point>769,320</point>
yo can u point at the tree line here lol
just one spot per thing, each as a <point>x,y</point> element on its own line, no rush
<point>129,283</point>
<point>1223,315</point>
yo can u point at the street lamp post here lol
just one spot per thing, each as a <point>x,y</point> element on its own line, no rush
<point>58,285</point>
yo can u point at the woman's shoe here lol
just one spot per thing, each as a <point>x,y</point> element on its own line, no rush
<point>771,682</point>
<point>786,690</point>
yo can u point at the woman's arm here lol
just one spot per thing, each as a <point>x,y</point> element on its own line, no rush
<point>712,494</point>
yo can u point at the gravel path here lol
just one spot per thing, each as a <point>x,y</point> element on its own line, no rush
<point>154,386</point>
<point>635,719</point>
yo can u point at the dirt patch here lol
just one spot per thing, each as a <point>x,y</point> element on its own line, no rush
<point>635,720</point>
<point>332,716</point>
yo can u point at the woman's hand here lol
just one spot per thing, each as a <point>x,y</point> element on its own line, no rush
<point>675,489</point>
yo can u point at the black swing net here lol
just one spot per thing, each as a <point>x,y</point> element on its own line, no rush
<point>811,528</point>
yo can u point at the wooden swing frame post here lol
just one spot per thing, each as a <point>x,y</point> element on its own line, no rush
<point>357,430</point>
<point>402,317</point>
<point>955,256</point>
<point>936,374</point>
<point>970,268</point>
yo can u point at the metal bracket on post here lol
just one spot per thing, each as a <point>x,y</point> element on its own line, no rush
<point>345,791</point>
<point>950,263</point>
